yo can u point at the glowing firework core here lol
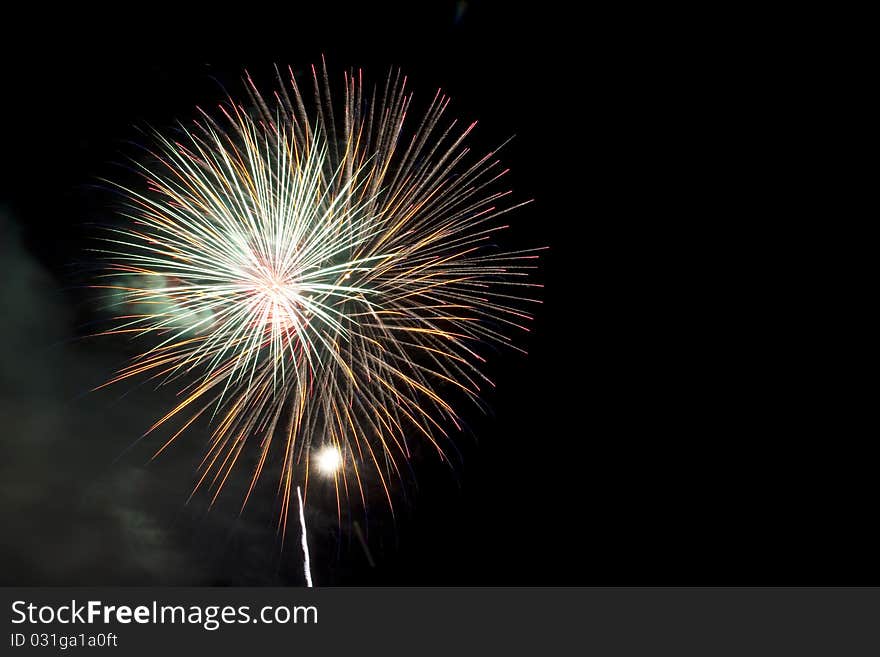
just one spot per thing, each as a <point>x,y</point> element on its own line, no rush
<point>329,460</point>
<point>281,296</point>
<point>275,295</point>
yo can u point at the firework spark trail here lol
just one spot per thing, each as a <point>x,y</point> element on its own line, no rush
<point>316,284</point>
<point>307,568</point>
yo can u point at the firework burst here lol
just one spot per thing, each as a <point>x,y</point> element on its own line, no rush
<point>317,282</point>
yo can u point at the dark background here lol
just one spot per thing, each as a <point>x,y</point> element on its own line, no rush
<point>665,427</point>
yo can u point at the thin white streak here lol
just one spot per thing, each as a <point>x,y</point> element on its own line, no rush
<point>305,546</point>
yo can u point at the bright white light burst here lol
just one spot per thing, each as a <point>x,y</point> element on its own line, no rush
<point>329,460</point>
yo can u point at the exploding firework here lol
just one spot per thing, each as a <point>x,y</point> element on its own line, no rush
<point>318,282</point>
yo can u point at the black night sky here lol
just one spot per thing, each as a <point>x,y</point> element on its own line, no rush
<point>655,434</point>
